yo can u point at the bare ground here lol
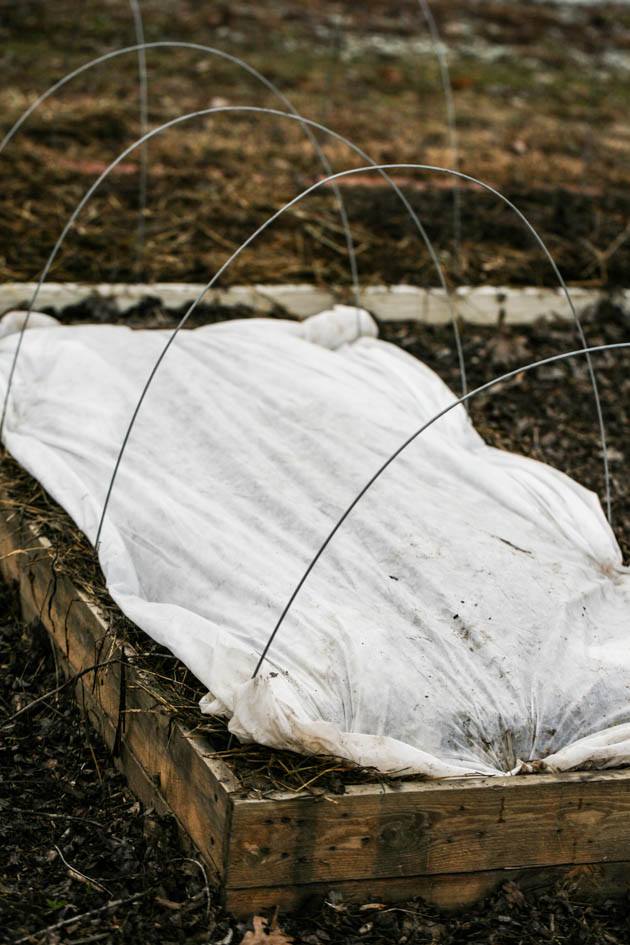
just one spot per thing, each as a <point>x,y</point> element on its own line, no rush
<point>541,93</point>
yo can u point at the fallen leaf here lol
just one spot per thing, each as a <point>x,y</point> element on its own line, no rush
<point>262,935</point>
<point>513,894</point>
<point>335,901</point>
<point>168,903</point>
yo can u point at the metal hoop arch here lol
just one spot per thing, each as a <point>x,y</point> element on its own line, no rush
<point>140,48</point>
<point>456,403</point>
<point>339,175</point>
<point>204,113</point>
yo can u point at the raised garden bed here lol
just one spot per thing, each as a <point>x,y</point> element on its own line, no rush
<point>276,829</point>
<point>450,842</point>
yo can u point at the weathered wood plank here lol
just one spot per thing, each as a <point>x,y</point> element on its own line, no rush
<point>432,828</point>
<point>155,747</point>
<point>450,892</point>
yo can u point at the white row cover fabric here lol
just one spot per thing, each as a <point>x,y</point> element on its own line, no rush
<point>471,615</point>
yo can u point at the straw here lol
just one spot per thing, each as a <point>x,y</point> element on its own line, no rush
<point>141,48</point>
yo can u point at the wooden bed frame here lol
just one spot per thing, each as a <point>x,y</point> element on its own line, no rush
<point>451,842</point>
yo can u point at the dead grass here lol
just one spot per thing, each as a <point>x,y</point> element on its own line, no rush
<point>517,78</point>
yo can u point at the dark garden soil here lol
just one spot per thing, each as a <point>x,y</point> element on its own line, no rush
<point>75,841</point>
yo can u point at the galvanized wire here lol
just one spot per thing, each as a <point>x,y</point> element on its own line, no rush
<point>143,96</point>
<point>209,111</point>
<point>293,202</point>
<point>334,177</point>
<point>441,54</point>
<point>235,60</point>
<point>228,57</point>
<point>425,426</point>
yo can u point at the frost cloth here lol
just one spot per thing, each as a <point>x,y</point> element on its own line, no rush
<point>472,613</point>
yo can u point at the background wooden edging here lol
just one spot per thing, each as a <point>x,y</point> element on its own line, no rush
<point>477,305</point>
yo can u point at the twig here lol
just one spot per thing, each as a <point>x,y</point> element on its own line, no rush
<point>91,938</point>
<point>54,816</point>
<point>53,692</point>
<point>84,915</point>
<point>602,256</point>
<point>77,874</point>
<point>97,767</point>
<point>188,859</point>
